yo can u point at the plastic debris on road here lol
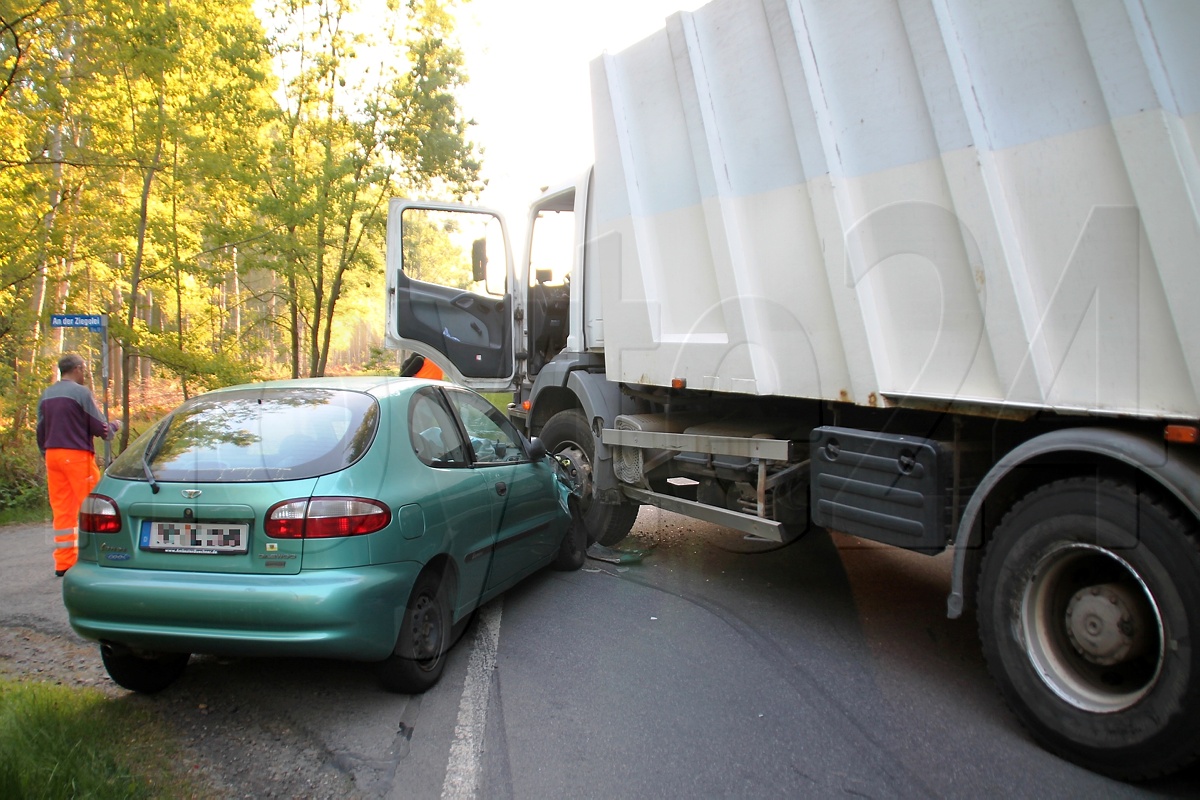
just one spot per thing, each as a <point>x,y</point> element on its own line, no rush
<point>614,556</point>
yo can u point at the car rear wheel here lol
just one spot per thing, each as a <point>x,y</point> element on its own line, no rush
<point>147,673</point>
<point>567,432</point>
<point>419,657</point>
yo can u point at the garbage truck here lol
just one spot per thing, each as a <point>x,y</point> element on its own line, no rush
<point>925,272</point>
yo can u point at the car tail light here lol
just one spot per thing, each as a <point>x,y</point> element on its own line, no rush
<point>99,514</point>
<point>326,518</point>
<point>286,520</point>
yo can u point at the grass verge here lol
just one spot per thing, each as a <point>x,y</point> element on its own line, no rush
<point>61,742</point>
<point>27,515</point>
<point>499,399</point>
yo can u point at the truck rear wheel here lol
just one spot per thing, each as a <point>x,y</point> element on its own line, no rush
<point>1089,613</point>
<point>568,433</point>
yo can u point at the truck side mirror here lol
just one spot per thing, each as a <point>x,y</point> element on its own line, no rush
<point>479,260</point>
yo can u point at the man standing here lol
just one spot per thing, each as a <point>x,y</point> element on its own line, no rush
<point>67,419</point>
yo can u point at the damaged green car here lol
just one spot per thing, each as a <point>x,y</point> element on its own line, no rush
<point>357,518</point>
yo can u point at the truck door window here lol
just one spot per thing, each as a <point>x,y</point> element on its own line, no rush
<point>451,288</point>
<point>456,250</point>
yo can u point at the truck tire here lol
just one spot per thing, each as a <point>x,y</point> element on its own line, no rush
<point>568,433</point>
<point>1089,614</point>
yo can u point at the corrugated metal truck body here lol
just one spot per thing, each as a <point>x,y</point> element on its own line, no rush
<point>995,203</point>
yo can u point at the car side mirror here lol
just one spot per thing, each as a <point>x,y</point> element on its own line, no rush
<point>537,450</point>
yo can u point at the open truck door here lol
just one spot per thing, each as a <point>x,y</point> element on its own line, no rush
<point>450,290</point>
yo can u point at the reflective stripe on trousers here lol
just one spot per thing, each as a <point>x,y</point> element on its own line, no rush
<point>66,548</point>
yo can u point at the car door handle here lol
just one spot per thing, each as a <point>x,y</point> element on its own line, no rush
<point>501,488</point>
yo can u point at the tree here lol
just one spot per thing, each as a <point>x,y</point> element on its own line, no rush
<point>131,139</point>
<point>350,139</point>
<point>147,170</point>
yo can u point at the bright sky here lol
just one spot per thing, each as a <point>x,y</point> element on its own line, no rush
<point>529,90</point>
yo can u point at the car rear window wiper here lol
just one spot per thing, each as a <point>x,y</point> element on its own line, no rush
<point>151,451</point>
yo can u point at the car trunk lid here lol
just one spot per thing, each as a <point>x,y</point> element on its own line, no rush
<point>203,527</point>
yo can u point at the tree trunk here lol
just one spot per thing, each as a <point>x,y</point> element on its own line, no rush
<point>127,367</point>
<point>294,304</point>
<point>237,300</point>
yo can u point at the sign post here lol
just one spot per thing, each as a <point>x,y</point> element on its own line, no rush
<point>96,323</point>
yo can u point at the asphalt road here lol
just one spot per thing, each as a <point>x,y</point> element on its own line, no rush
<point>709,669</point>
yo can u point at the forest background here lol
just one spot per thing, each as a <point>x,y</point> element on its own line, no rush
<point>216,185</point>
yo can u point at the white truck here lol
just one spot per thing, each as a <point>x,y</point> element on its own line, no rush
<point>921,271</point>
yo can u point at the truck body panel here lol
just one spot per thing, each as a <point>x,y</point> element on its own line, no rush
<point>888,203</point>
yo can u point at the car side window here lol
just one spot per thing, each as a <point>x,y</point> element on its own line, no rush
<point>493,438</point>
<point>434,434</point>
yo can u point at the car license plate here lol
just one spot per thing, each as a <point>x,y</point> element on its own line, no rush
<point>204,538</point>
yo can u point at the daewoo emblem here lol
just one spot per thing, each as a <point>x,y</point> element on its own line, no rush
<point>191,494</point>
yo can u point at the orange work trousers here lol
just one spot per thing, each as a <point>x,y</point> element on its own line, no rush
<point>70,477</point>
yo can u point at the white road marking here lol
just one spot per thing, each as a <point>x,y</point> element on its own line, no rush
<point>466,751</point>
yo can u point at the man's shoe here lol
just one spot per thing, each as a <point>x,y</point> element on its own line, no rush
<point>58,573</point>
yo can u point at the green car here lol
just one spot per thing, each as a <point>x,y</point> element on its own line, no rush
<point>356,518</point>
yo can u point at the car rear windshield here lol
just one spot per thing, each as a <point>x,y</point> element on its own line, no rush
<point>264,434</point>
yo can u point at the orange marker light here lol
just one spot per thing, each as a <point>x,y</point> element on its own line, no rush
<point>1182,434</point>
<point>526,405</point>
<point>679,383</point>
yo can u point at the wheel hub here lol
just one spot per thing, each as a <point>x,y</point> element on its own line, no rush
<point>1102,626</point>
<point>1091,628</point>
<point>426,628</point>
<point>583,469</point>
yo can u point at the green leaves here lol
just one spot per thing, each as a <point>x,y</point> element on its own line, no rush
<point>216,184</point>
<point>359,125</point>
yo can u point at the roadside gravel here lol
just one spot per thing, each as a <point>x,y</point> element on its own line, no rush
<point>233,745</point>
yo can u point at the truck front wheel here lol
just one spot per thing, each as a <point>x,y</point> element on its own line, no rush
<point>568,433</point>
<point>1089,613</point>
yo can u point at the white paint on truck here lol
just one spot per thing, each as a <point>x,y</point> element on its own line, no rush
<point>994,203</point>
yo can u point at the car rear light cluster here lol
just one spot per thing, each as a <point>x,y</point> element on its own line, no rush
<point>326,518</point>
<point>99,514</point>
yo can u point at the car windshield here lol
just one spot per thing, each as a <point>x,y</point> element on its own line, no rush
<point>264,434</point>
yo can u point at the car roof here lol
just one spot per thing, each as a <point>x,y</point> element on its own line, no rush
<point>377,385</point>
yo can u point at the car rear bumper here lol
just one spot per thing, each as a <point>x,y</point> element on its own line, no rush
<point>336,613</point>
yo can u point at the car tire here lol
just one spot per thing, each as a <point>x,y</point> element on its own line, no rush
<point>419,657</point>
<point>573,550</point>
<point>1089,614</point>
<point>145,674</point>
<point>567,432</point>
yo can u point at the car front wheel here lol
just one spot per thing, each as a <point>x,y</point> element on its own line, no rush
<point>573,550</point>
